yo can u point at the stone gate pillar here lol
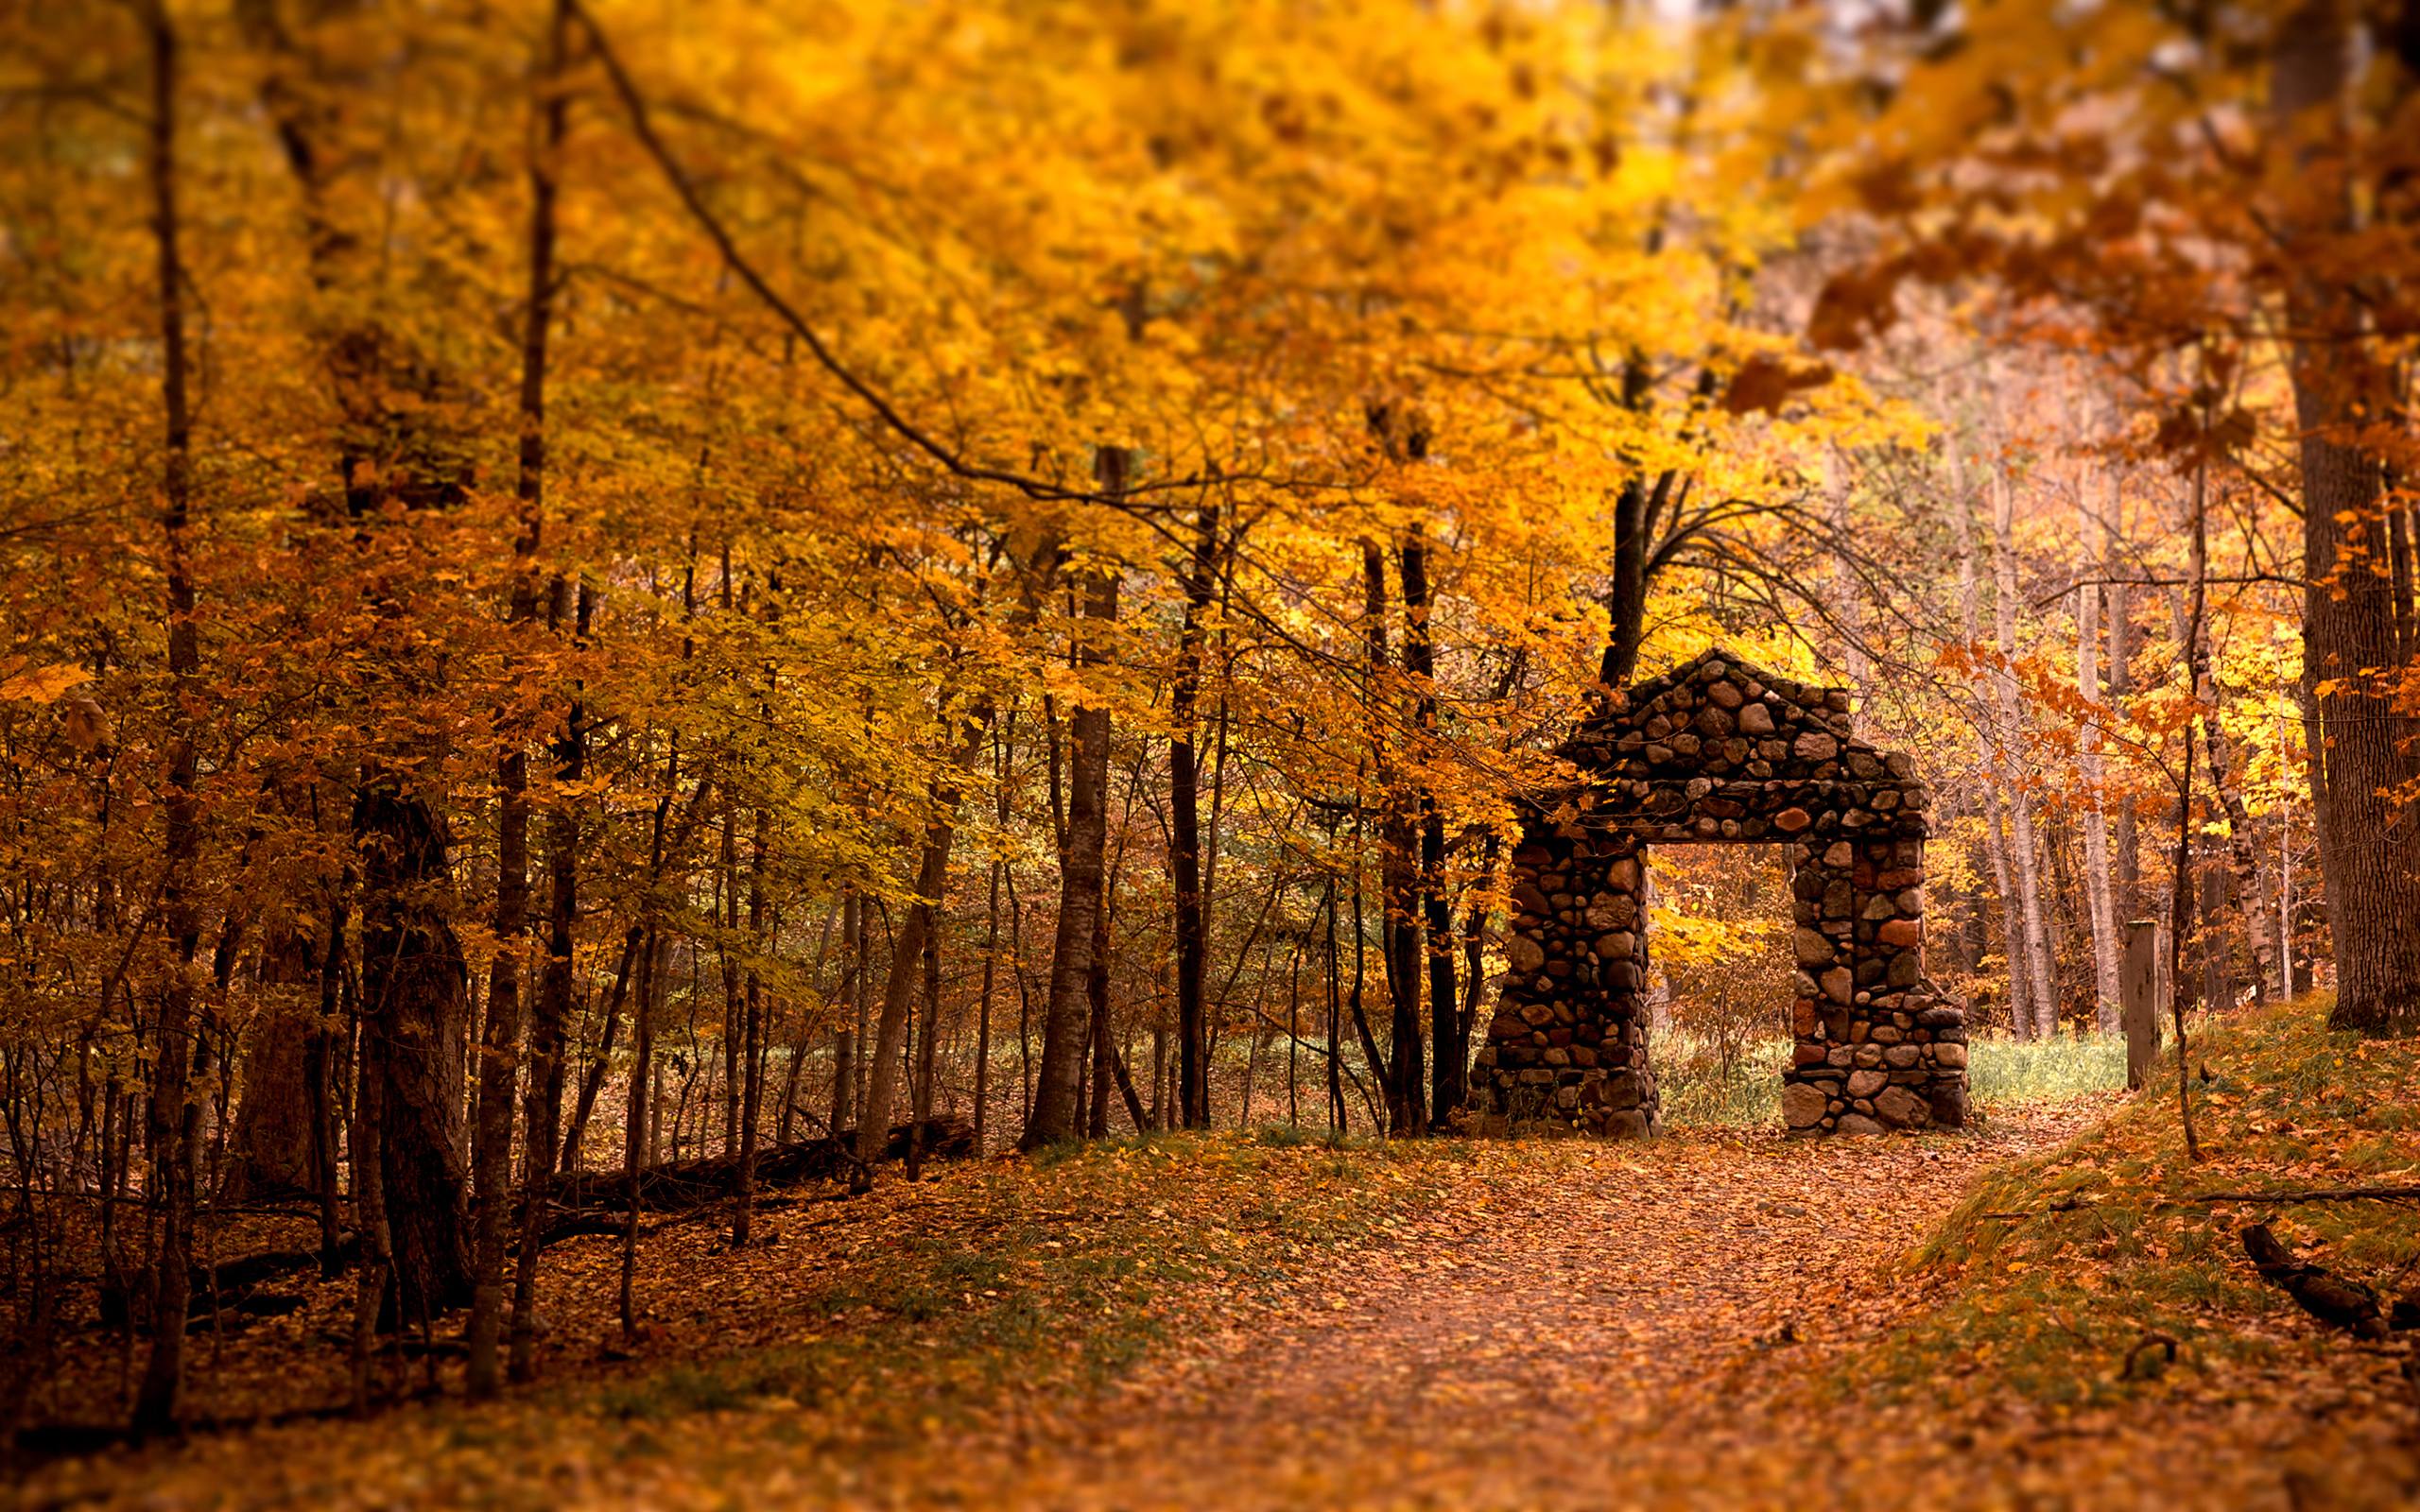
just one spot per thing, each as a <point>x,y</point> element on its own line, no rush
<point>1877,1046</point>
<point>1566,1052</point>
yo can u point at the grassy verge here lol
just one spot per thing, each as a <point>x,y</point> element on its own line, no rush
<point>1698,1091</point>
<point>2065,1271</point>
<point>865,1328</point>
<point>1060,1270</point>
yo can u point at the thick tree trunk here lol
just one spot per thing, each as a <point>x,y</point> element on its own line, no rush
<point>270,1154</point>
<point>2365,772</point>
<point>414,1011</point>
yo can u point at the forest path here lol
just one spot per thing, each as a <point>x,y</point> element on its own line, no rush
<point>1573,1331</point>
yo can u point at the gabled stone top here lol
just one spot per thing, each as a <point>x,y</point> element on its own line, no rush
<point>1718,717</point>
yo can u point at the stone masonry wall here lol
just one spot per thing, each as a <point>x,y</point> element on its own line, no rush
<point>1718,751</point>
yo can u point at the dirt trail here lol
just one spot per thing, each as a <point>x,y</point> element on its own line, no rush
<point>1567,1334</point>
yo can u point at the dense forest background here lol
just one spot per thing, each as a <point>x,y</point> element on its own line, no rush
<point>590,585</point>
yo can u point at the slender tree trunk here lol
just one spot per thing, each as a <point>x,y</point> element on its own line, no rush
<point>1399,926</point>
<point>1339,1119</point>
<point>638,1141</point>
<point>983,1006</point>
<point>160,1400</point>
<point>542,1108</point>
<point>1995,784</point>
<point>1066,1018</point>
<point>1096,1000</point>
<point>1025,1000</point>
<point>2097,880</point>
<point>2243,849</point>
<point>2022,838</point>
<point>1449,1059</point>
<point>2124,837</point>
<point>592,1082</point>
<point>920,1100</point>
<point>2181,888</point>
<point>500,1060</point>
<point>1185,791</point>
<point>906,955</point>
<point>370,1215</point>
<point>752,1050</point>
<point>319,1074</point>
<point>730,969</point>
<point>853,1008</point>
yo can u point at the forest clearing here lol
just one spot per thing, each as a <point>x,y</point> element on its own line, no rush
<point>1109,753</point>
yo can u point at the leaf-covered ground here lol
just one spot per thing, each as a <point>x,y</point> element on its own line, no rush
<point>1712,1320</point>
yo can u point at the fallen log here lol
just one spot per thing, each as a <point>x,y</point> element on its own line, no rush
<point>593,1202</point>
<point>678,1186</point>
<point>2388,1194</point>
<point>2336,1300</point>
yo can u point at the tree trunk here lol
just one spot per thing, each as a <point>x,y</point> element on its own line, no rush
<point>542,1110</point>
<point>2094,770</point>
<point>751,1034</point>
<point>907,953</point>
<point>1065,1017</point>
<point>270,1154</point>
<point>1449,1057</point>
<point>415,1008</point>
<point>983,999</point>
<point>638,1141</point>
<point>1096,1001</point>
<point>1185,844</point>
<point>2364,773</point>
<point>2022,838</point>
<point>500,1060</point>
<point>318,1082</point>
<point>1398,887</point>
<point>2127,864</point>
<point>1995,783</point>
<point>920,1098</point>
<point>160,1399</point>
<point>853,1001</point>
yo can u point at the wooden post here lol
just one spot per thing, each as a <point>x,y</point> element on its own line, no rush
<point>2138,1001</point>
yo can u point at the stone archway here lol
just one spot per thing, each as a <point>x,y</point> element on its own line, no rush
<point>1719,751</point>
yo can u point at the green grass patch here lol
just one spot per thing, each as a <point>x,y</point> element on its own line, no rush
<point>2065,1264</point>
<point>1698,1090</point>
<point>2006,1072</point>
